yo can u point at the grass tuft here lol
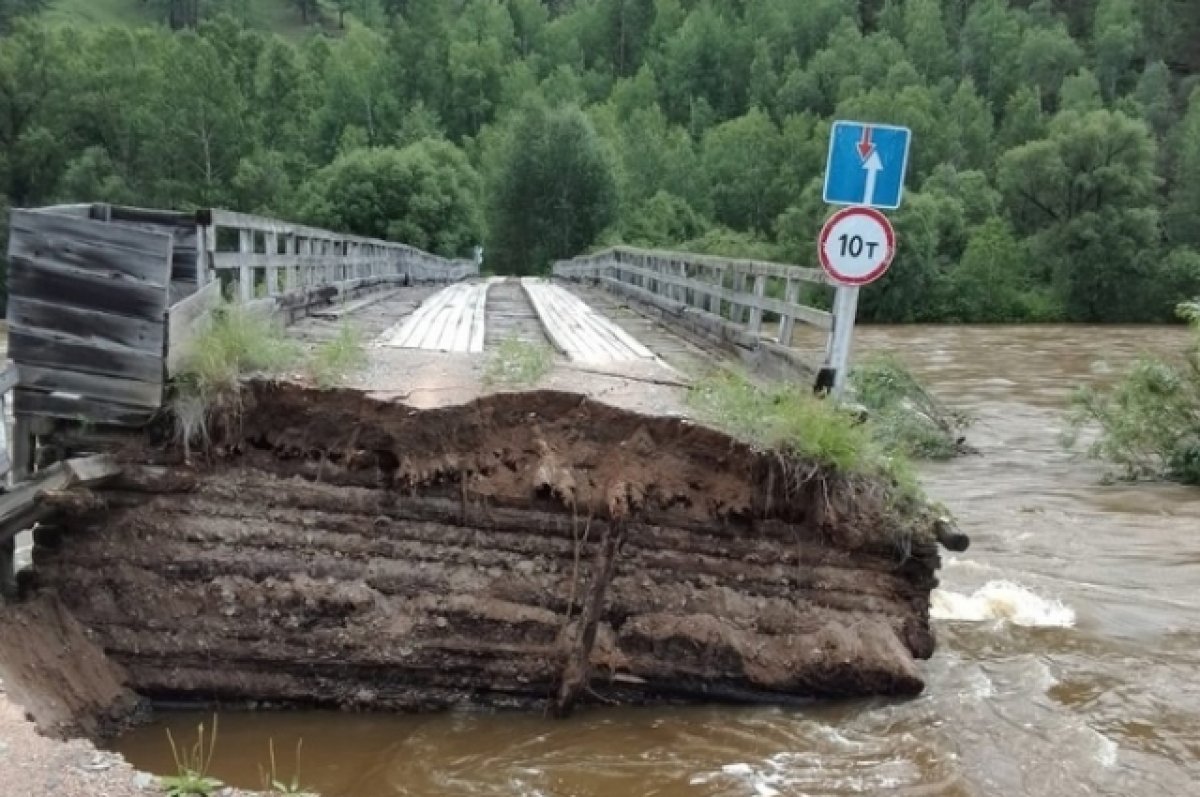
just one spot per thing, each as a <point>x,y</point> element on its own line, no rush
<point>337,358</point>
<point>273,783</point>
<point>193,765</point>
<point>237,343</point>
<point>789,419</point>
<point>516,363</point>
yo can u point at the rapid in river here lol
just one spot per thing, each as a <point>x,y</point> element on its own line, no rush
<point>1068,660</point>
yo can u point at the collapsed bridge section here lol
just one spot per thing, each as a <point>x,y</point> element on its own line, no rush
<point>524,550</point>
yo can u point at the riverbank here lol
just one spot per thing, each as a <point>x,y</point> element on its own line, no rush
<point>36,766</point>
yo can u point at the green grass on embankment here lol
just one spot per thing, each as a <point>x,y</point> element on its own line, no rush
<point>789,419</point>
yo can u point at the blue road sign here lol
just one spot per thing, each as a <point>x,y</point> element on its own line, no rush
<point>866,165</point>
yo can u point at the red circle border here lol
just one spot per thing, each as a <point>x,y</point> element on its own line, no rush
<point>878,271</point>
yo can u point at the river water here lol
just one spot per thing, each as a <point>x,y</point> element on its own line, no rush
<point>1068,660</point>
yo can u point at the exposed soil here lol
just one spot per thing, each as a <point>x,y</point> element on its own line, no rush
<point>336,549</point>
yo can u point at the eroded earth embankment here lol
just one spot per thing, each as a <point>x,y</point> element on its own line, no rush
<point>524,550</point>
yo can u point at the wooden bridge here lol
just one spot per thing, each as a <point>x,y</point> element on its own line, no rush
<point>104,302</point>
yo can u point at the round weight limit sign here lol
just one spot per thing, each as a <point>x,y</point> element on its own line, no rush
<point>857,246</point>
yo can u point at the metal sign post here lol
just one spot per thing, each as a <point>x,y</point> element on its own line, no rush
<point>865,169</point>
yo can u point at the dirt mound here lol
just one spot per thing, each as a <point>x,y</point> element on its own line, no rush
<point>520,550</point>
<point>62,679</point>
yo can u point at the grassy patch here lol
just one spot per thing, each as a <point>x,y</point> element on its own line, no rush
<point>790,419</point>
<point>237,343</point>
<point>906,417</point>
<point>1149,422</point>
<point>516,363</point>
<point>337,358</point>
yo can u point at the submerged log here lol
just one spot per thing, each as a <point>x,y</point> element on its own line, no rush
<point>345,551</point>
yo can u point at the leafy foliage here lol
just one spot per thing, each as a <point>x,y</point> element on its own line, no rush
<point>1053,162</point>
<point>904,415</point>
<point>1149,422</point>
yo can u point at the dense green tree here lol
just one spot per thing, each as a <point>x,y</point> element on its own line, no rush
<point>1183,211</point>
<point>992,282</point>
<point>742,158</point>
<point>1118,41</point>
<point>1053,161</point>
<point>1085,193</point>
<point>552,192</point>
<point>32,102</point>
<point>426,194</point>
<point>1047,56</point>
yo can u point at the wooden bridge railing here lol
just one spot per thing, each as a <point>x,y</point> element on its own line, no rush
<point>263,257</point>
<point>725,299</point>
<point>103,299</point>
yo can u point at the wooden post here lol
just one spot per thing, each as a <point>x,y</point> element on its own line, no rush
<point>787,324</point>
<point>756,313</point>
<point>291,274</point>
<point>737,312</point>
<point>202,275</point>
<point>245,272</point>
<point>272,246</point>
<point>8,569</point>
<point>577,671</point>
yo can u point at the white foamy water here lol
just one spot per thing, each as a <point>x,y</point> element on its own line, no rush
<point>1003,601</point>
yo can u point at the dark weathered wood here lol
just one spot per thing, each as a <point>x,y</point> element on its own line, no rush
<point>133,392</point>
<point>20,507</point>
<point>55,351</point>
<point>42,280</point>
<point>108,250</point>
<point>87,327</point>
<point>22,445</point>
<point>38,403</point>
<point>8,572</point>
<point>188,319</point>
<point>152,216</point>
<point>577,670</point>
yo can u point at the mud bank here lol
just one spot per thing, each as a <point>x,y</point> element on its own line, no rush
<point>525,550</point>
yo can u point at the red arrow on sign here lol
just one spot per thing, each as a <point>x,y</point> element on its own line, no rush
<point>865,147</point>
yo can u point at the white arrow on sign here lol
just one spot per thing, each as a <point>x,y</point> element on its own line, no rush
<point>873,165</point>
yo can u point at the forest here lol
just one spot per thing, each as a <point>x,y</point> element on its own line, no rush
<point>1055,170</point>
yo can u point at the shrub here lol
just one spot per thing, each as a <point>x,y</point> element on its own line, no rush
<point>1149,422</point>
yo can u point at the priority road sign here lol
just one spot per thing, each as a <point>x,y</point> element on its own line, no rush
<point>866,165</point>
<point>857,246</point>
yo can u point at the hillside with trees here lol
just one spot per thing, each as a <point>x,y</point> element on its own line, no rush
<point>1056,156</point>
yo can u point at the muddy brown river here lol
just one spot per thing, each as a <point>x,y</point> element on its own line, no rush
<point>1068,661</point>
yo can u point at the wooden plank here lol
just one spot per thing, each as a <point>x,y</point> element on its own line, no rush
<point>186,321</point>
<point>79,211</point>
<point>44,281</point>
<point>39,403</point>
<point>107,250</point>
<point>245,268</point>
<point>756,308</point>
<point>133,392</point>
<point>21,507</point>
<point>49,351</point>
<point>84,327</point>
<point>8,380</point>
<point>809,315</point>
<point>173,218</point>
